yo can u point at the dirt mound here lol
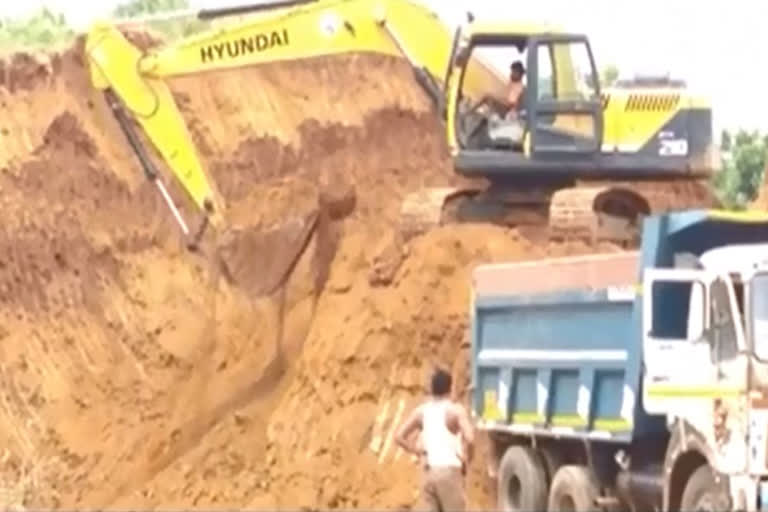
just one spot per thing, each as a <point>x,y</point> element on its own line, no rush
<point>327,440</point>
<point>120,349</point>
<point>134,374</point>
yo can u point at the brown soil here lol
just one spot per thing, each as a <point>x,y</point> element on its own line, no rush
<point>133,374</point>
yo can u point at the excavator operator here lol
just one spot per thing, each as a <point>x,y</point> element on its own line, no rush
<point>505,126</point>
<point>515,89</point>
<point>509,106</point>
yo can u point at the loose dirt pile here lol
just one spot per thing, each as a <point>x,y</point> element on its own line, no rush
<point>133,374</point>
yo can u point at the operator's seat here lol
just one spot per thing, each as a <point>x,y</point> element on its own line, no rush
<point>508,133</point>
<point>505,133</point>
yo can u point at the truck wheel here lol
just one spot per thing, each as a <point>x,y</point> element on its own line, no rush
<point>522,481</point>
<point>702,492</point>
<point>573,489</point>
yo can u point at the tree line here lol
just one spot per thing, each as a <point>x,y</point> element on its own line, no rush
<point>46,30</point>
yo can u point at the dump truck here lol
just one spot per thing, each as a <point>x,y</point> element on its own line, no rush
<point>633,380</point>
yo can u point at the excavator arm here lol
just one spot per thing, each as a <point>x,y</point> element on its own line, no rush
<point>133,81</point>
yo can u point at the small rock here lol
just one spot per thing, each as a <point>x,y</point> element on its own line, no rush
<point>241,419</point>
<point>387,259</point>
<point>446,269</point>
<point>339,286</point>
<point>337,196</point>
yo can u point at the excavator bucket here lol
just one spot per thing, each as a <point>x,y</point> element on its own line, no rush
<point>255,258</point>
<point>260,261</point>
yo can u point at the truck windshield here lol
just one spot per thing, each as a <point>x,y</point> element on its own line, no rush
<point>760,315</point>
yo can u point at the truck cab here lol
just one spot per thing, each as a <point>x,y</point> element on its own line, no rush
<point>724,289</point>
<point>709,368</point>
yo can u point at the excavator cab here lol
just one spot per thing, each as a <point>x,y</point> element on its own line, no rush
<point>560,114</point>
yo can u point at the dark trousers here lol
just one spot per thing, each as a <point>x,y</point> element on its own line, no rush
<point>443,490</point>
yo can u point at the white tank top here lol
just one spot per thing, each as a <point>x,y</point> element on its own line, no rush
<point>442,446</point>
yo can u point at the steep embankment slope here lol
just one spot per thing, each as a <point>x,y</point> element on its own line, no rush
<point>134,374</point>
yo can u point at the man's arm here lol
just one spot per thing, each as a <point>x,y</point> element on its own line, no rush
<point>514,96</point>
<point>467,430</point>
<point>411,424</point>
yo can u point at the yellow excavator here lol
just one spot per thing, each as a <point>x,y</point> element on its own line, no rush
<point>581,159</point>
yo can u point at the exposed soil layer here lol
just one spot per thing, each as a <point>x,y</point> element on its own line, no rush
<point>136,374</point>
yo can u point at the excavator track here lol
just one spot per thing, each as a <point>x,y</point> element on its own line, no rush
<point>597,212</point>
<point>422,211</point>
<point>587,211</point>
<point>432,207</point>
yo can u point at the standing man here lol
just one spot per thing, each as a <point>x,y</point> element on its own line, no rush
<point>444,424</point>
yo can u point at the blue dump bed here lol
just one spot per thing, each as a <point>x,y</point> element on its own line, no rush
<point>555,346</point>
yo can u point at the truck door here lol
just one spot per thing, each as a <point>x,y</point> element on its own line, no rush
<point>730,355</point>
<point>727,337</point>
<point>725,401</point>
<point>565,112</point>
<point>676,352</point>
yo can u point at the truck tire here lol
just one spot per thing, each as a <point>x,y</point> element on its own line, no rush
<point>702,492</point>
<point>573,489</point>
<point>522,480</point>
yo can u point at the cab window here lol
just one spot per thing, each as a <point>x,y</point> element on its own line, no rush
<point>574,79</point>
<point>545,78</point>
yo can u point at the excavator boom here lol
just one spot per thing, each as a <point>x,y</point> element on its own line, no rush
<point>284,31</point>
